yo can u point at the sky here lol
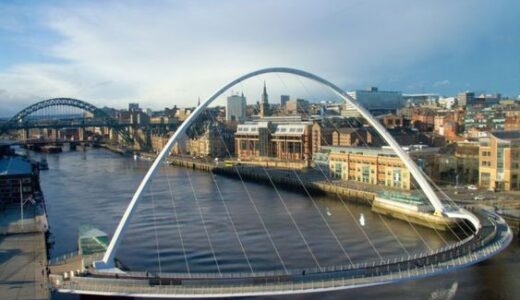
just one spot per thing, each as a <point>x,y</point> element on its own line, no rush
<point>165,53</point>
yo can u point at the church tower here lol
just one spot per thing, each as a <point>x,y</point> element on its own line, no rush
<point>264,104</point>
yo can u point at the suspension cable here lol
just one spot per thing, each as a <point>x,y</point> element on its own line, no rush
<point>317,208</point>
<point>204,225</point>
<point>367,147</point>
<point>212,175</point>
<point>286,209</point>
<point>174,207</point>
<point>155,227</point>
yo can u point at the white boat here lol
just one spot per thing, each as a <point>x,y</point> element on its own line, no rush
<point>362,220</point>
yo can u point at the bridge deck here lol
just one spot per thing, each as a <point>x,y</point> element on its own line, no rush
<point>494,236</point>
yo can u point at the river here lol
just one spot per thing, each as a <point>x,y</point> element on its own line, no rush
<point>183,225</point>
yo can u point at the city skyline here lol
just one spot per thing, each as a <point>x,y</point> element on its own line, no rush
<point>236,149</point>
<point>166,53</point>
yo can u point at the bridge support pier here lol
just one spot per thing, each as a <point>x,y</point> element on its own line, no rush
<point>81,134</point>
<point>54,134</point>
<point>24,134</point>
<point>112,135</point>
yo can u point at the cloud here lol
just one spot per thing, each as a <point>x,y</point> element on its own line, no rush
<point>163,53</point>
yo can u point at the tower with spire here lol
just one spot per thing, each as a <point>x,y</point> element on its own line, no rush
<point>264,104</point>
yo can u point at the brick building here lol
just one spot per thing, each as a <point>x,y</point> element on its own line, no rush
<point>369,165</point>
<point>284,141</point>
<point>423,119</point>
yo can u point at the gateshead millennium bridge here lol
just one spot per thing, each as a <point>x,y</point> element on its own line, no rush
<point>488,235</point>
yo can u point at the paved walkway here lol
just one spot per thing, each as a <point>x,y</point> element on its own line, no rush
<point>23,255</point>
<point>22,263</point>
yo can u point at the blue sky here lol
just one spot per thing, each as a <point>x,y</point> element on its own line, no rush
<point>162,53</point>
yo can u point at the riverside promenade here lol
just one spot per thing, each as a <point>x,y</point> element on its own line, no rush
<point>313,180</point>
<point>23,254</point>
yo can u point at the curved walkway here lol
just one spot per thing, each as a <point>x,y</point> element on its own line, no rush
<point>493,237</point>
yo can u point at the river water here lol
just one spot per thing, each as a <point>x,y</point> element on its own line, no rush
<point>190,221</point>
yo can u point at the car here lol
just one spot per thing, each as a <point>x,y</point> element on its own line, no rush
<point>471,187</point>
<point>479,197</point>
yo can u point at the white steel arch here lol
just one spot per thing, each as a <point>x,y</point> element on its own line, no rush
<point>108,259</point>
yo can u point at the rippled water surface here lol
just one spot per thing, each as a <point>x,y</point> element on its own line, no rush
<point>191,219</point>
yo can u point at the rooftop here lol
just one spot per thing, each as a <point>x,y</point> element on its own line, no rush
<point>251,128</point>
<point>348,130</point>
<point>14,166</point>
<point>293,129</point>
<point>506,135</point>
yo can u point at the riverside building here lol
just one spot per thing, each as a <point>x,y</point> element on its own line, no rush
<point>18,179</point>
<point>499,161</point>
<point>265,140</point>
<point>378,166</point>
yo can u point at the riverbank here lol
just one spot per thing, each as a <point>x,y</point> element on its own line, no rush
<point>115,149</point>
<point>312,181</point>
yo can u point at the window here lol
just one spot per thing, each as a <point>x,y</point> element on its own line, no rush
<point>366,174</point>
<point>484,179</point>
<point>297,148</point>
<point>500,158</point>
<point>396,178</point>
<point>337,170</point>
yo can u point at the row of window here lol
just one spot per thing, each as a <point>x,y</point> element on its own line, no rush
<point>393,183</point>
<point>290,130</point>
<point>246,129</point>
<point>338,167</point>
<point>355,162</point>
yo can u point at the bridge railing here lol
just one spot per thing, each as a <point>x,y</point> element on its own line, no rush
<point>129,286</point>
<point>462,255</point>
<point>62,259</point>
